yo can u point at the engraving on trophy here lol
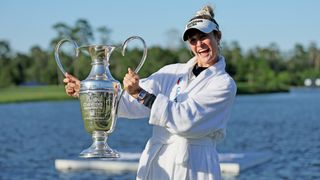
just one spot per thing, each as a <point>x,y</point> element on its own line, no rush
<point>97,111</point>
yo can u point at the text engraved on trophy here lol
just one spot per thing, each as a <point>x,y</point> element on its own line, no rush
<point>97,111</point>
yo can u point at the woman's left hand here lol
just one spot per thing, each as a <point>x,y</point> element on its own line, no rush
<point>131,83</point>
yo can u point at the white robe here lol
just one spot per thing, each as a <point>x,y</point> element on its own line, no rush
<point>188,119</point>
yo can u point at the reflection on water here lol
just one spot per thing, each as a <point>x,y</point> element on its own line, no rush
<point>287,124</point>
<point>33,135</point>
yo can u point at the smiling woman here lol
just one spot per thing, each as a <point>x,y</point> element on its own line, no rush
<point>188,105</point>
<point>203,35</point>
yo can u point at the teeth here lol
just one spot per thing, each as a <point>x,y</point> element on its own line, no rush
<point>202,51</point>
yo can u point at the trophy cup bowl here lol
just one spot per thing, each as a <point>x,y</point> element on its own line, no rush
<point>99,96</point>
<point>98,101</point>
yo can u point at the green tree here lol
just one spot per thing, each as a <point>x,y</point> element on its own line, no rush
<point>104,34</point>
<point>5,64</point>
<point>39,70</point>
<point>82,32</point>
<point>314,56</point>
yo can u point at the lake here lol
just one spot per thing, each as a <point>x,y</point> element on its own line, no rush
<point>34,134</point>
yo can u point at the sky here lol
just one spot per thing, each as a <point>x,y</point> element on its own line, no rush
<point>251,22</point>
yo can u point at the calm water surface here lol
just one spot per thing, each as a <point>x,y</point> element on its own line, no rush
<point>33,135</point>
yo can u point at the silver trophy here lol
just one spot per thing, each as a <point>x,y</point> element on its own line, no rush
<point>99,96</point>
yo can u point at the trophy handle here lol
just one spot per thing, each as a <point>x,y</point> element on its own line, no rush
<point>57,50</point>
<point>124,46</point>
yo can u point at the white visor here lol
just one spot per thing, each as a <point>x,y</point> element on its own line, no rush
<point>203,25</point>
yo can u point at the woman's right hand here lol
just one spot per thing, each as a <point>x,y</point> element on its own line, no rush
<point>72,85</point>
<point>131,83</point>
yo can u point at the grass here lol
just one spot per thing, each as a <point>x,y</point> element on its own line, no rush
<point>35,93</point>
<point>18,94</point>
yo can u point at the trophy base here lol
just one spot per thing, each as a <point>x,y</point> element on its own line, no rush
<point>99,147</point>
<point>89,153</point>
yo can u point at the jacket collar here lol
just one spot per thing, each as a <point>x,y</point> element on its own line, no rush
<point>217,68</point>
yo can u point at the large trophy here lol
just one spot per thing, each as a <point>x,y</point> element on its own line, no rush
<point>99,96</point>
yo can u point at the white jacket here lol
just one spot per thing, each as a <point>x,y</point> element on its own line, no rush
<point>188,118</point>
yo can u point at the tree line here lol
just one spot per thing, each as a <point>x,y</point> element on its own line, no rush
<point>259,69</point>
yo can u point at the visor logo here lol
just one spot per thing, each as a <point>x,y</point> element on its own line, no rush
<point>193,23</point>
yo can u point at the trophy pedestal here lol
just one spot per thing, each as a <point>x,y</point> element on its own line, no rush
<point>99,147</point>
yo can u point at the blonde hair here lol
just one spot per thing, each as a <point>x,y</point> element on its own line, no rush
<point>205,13</point>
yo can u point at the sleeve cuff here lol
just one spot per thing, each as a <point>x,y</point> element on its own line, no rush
<point>159,110</point>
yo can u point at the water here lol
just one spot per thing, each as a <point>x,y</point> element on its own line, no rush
<point>33,135</point>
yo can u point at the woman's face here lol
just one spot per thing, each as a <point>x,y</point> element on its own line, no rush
<point>205,47</point>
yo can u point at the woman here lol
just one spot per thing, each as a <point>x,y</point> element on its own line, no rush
<point>187,104</point>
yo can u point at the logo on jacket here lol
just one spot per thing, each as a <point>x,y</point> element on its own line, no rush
<point>178,89</point>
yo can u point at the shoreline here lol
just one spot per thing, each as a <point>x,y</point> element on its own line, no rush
<point>21,94</point>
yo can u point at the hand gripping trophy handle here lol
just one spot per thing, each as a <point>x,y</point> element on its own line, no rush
<point>124,45</point>
<point>144,56</point>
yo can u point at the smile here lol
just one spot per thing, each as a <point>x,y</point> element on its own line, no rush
<point>203,51</point>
